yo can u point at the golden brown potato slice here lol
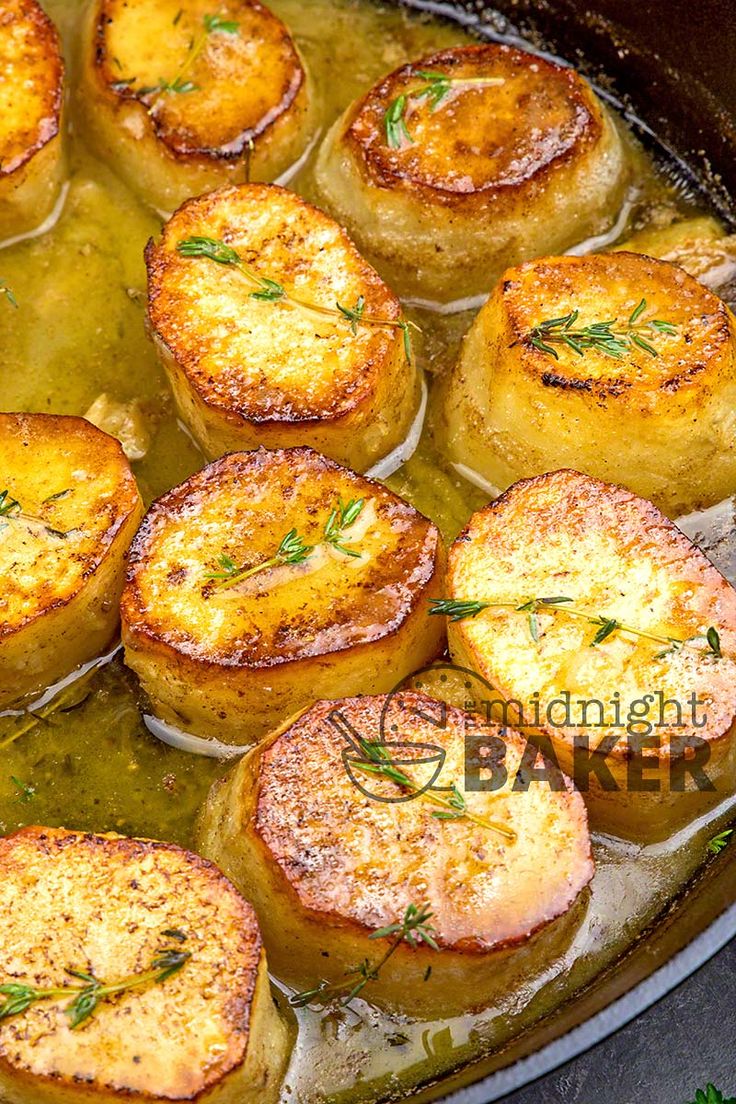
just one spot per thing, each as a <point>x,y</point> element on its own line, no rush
<point>657,416</point>
<point>69,507</point>
<point>248,370</point>
<point>31,92</point>
<point>329,856</point>
<point>640,626</point>
<point>272,579</point>
<point>117,909</point>
<point>182,95</point>
<point>459,164</point>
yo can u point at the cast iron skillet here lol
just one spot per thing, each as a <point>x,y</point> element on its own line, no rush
<point>671,66</point>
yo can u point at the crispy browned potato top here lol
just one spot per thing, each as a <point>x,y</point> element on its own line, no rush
<point>75,492</point>
<point>604,287</point>
<point>31,79</point>
<point>244,81</point>
<point>269,361</point>
<point>479,138</point>
<point>241,507</point>
<point>353,860</point>
<point>101,904</point>
<point>615,555</point>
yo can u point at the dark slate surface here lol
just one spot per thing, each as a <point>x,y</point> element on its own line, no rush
<point>678,1046</point>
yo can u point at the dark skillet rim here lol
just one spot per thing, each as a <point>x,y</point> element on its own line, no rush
<point>525,1071</point>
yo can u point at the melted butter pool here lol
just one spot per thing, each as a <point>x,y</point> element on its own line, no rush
<point>78,334</point>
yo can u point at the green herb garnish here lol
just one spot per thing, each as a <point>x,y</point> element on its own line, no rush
<point>341,518</point>
<point>291,550</point>
<point>712,1095</point>
<point>5,290</point>
<point>414,929</point>
<point>86,997</point>
<point>717,843</point>
<point>598,335</point>
<point>434,90</point>
<point>460,609</point>
<point>271,291</point>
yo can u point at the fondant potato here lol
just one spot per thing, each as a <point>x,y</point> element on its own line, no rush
<point>115,909</point>
<point>69,507</point>
<point>272,579</point>
<point>330,854</point>
<point>589,594</point>
<point>457,165</point>
<point>247,369</point>
<point>653,410</point>
<point>181,97</point>
<point>31,98</point>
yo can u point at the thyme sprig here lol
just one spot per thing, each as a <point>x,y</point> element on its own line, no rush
<point>434,91</point>
<point>293,549</point>
<point>379,762</point>
<point>719,842</point>
<point>166,961</point>
<point>271,291</point>
<point>11,510</point>
<point>5,290</point>
<point>602,336</point>
<point>413,929</point>
<point>460,609</point>
<point>177,85</point>
<point>342,518</point>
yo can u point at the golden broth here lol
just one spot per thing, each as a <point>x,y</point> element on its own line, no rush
<point>79,333</point>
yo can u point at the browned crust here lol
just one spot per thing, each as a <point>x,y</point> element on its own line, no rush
<point>688,372</point>
<point>264,406</point>
<point>175,143</point>
<point>365,134</point>
<point>50,840</point>
<point>250,465</point>
<point>309,730</point>
<point>610,505</point>
<point>126,503</point>
<point>48,127</point>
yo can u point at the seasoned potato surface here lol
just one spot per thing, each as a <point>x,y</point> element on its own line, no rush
<point>31,88</point>
<point>184,96</point>
<point>657,416</point>
<point>230,637</point>
<point>456,165</point>
<point>326,864</point>
<point>617,559</point>
<point>248,371</point>
<point>69,507</point>
<point>107,906</point>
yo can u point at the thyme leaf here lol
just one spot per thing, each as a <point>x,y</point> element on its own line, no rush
<point>717,843</point>
<point>602,336</point>
<point>342,518</point>
<point>5,290</point>
<point>86,998</point>
<point>434,90</point>
<point>268,290</point>
<point>414,928</point>
<point>461,609</point>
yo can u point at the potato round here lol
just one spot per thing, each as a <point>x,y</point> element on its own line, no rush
<point>327,864</point>
<point>564,535</point>
<point>232,662</point>
<point>107,905</point>
<point>472,176</point>
<point>661,425</point>
<point>247,372</point>
<point>235,104</point>
<point>69,510</point>
<point>31,94</point>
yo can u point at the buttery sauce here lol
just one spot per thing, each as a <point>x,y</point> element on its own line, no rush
<point>78,334</point>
